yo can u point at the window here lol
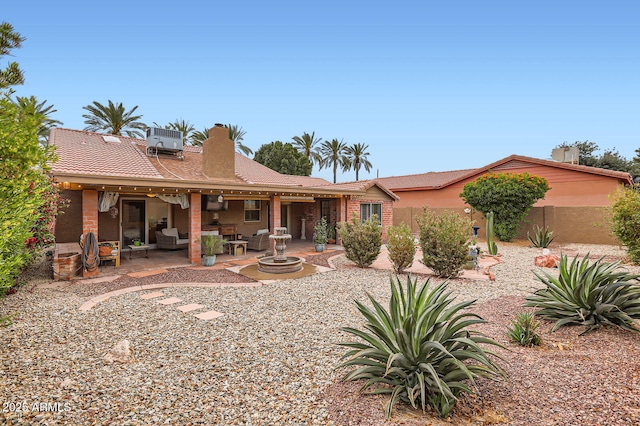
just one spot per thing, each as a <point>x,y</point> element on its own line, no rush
<point>325,209</point>
<point>369,209</point>
<point>252,210</point>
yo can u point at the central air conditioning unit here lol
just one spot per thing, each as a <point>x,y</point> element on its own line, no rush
<point>164,141</point>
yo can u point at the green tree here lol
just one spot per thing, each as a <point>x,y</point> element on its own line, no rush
<point>357,158</point>
<point>32,107</point>
<point>114,119</point>
<point>635,165</point>
<point>509,196</point>
<point>236,134</point>
<point>23,187</point>
<point>307,144</point>
<point>283,158</point>
<point>334,154</point>
<point>9,39</point>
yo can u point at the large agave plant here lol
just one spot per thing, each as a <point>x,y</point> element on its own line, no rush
<point>588,294</point>
<point>419,351</point>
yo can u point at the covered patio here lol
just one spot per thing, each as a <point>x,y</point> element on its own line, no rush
<point>137,262</point>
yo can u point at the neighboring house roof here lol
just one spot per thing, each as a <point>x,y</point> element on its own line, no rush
<point>437,180</point>
<point>431,180</point>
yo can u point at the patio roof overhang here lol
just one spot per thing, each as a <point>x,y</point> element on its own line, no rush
<point>231,189</point>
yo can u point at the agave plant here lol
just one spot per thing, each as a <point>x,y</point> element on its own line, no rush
<point>419,351</point>
<point>541,237</point>
<point>588,294</point>
<point>523,329</point>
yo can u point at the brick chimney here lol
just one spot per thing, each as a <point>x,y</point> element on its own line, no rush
<point>219,154</point>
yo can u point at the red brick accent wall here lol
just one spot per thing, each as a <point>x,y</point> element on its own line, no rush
<point>274,213</point>
<point>353,206</point>
<point>90,220</point>
<point>195,228</point>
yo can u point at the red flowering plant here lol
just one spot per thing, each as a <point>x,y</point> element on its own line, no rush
<point>53,204</point>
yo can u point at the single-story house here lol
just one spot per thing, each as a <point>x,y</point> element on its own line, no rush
<point>575,207</point>
<point>125,189</point>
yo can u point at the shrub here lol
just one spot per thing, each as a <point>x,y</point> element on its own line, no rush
<point>361,240</point>
<point>321,232</point>
<point>541,237</point>
<point>401,247</point>
<point>523,329</point>
<point>24,189</point>
<point>625,211</point>
<point>588,294</point>
<point>443,239</point>
<point>509,195</point>
<point>419,350</point>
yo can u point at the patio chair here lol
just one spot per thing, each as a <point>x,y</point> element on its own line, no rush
<point>169,239</point>
<point>258,242</point>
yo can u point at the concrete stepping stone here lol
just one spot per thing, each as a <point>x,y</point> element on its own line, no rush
<point>169,301</point>
<point>190,307</point>
<point>209,315</point>
<point>152,295</point>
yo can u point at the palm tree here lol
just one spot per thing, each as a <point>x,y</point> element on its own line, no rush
<point>306,144</point>
<point>333,155</point>
<point>236,134</point>
<point>197,137</point>
<point>183,126</point>
<point>10,39</point>
<point>31,106</point>
<point>357,155</point>
<point>113,119</point>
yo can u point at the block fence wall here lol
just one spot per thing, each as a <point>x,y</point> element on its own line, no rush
<point>586,225</point>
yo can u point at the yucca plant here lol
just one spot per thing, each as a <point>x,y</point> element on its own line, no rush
<point>419,350</point>
<point>523,329</point>
<point>541,237</point>
<point>588,294</point>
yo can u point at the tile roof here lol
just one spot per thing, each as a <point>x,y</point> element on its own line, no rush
<point>437,180</point>
<point>423,180</point>
<point>88,153</point>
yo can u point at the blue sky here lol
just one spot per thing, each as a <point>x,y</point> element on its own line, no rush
<point>429,86</point>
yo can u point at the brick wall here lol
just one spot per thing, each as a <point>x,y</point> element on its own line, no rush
<point>274,213</point>
<point>581,224</point>
<point>353,207</point>
<point>195,228</point>
<point>90,220</point>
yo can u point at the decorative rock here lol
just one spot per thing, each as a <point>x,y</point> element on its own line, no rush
<point>120,353</point>
<point>548,261</point>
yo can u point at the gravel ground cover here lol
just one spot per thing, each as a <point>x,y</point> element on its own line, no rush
<point>270,359</point>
